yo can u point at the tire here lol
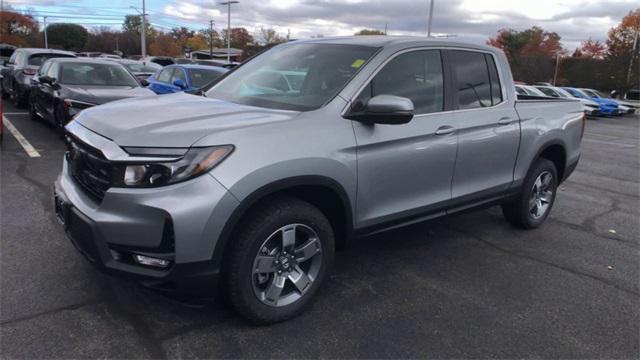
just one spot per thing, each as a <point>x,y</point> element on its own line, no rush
<point>33,115</point>
<point>536,199</point>
<point>3,93</point>
<point>259,243</point>
<point>17,99</point>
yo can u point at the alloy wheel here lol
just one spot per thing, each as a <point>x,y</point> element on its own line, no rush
<point>287,264</point>
<point>541,195</point>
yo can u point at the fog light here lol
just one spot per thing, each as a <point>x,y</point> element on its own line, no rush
<point>151,261</point>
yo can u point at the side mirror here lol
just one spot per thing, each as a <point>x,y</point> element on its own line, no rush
<point>46,79</point>
<point>144,82</point>
<point>179,83</point>
<point>385,109</point>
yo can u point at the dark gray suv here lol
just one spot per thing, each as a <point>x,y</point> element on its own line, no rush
<point>20,69</point>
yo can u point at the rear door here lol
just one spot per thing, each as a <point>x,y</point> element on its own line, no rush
<point>488,126</point>
<point>405,170</point>
<point>178,74</point>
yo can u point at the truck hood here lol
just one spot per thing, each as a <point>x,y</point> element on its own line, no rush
<point>103,94</point>
<point>175,120</point>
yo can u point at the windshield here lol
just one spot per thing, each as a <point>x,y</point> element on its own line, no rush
<point>577,93</point>
<point>143,68</point>
<point>38,59</point>
<point>78,73</point>
<point>591,93</point>
<point>298,77</point>
<point>201,77</point>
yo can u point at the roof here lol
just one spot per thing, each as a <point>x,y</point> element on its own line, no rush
<point>86,60</point>
<point>386,40</point>
<point>44,51</point>
<point>202,67</point>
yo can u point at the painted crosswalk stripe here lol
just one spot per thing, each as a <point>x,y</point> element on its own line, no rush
<point>26,145</point>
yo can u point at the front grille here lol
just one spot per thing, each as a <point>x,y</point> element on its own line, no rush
<point>90,169</point>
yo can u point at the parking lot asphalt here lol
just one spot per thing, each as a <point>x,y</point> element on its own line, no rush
<point>468,286</point>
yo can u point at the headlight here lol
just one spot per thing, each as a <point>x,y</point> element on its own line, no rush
<point>195,162</point>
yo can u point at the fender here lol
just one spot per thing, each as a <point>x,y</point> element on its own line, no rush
<point>541,149</point>
<point>272,188</point>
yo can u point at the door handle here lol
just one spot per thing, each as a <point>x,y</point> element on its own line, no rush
<point>505,121</point>
<point>445,130</point>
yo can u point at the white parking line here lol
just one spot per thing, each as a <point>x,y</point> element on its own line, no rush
<point>26,145</point>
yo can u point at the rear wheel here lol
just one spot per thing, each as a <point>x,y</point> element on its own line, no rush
<point>17,99</point>
<point>533,204</point>
<point>33,114</point>
<point>280,257</point>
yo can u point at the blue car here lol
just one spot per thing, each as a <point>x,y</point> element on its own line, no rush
<point>607,106</point>
<point>183,77</point>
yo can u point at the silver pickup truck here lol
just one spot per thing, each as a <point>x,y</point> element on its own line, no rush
<point>253,186</point>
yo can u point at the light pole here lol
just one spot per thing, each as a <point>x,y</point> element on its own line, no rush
<point>229,3</point>
<point>46,42</point>
<point>143,33</point>
<point>430,18</point>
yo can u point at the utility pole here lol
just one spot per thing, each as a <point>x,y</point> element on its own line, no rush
<point>430,18</point>
<point>633,56</point>
<point>385,28</point>
<point>211,39</point>
<point>229,3</point>
<point>288,34</point>
<point>555,73</point>
<point>46,42</point>
<point>143,32</point>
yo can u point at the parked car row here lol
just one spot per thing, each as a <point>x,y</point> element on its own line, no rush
<point>594,102</point>
<point>56,85</point>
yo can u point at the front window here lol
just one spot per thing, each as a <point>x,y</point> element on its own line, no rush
<point>78,73</point>
<point>298,77</point>
<point>591,93</point>
<point>39,59</point>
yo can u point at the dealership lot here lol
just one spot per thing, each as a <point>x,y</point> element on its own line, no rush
<point>467,286</point>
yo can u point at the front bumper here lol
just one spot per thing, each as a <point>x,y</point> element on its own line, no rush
<point>180,223</point>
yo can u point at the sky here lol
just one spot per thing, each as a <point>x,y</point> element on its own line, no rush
<point>473,20</point>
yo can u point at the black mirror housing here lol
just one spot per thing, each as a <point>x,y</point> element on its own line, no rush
<point>385,109</point>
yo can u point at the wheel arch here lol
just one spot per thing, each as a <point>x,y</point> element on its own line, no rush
<point>556,152</point>
<point>321,191</point>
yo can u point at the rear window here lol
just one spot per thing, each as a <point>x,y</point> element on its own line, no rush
<point>200,77</point>
<point>76,73</point>
<point>472,83</point>
<point>38,59</point>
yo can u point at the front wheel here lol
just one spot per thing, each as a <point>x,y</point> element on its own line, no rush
<point>534,203</point>
<point>280,257</point>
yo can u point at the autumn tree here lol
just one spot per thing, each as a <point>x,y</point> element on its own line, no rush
<point>369,32</point>
<point>164,44</point>
<point>269,36</point>
<point>212,37</point>
<point>240,38</point>
<point>620,54</point>
<point>593,48</point>
<point>531,52</point>
<point>17,29</point>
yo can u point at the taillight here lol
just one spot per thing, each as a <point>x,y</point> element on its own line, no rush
<point>29,71</point>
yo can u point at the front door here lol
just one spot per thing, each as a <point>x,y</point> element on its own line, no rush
<point>406,170</point>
